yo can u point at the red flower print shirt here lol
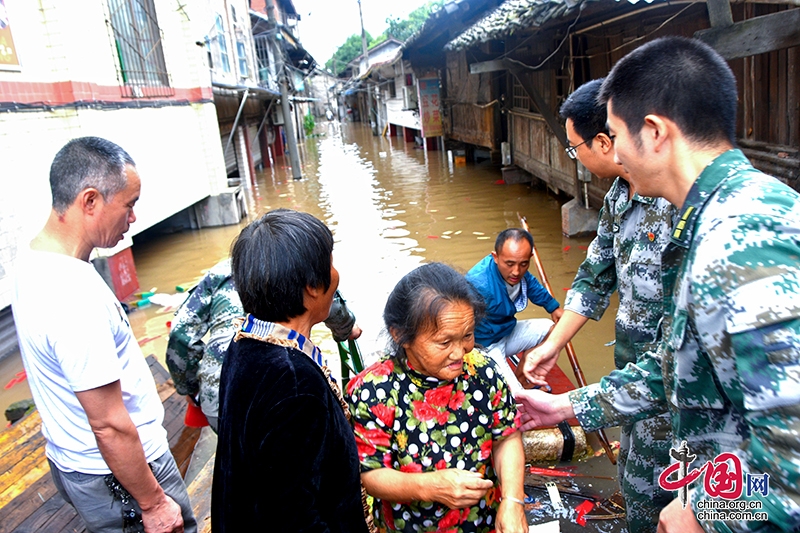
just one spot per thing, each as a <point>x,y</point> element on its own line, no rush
<point>415,423</point>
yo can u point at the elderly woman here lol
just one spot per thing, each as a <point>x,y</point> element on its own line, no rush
<point>435,424</point>
<point>286,458</point>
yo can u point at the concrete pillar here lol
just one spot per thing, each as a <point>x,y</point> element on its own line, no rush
<point>248,150</point>
<point>277,145</point>
<point>576,220</point>
<point>243,155</point>
<point>262,140</point>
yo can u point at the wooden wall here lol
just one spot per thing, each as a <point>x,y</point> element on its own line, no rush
<point>470,106</point>
<point>769,87</point>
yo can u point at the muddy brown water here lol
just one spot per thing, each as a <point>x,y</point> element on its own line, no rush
<point>391,207</point>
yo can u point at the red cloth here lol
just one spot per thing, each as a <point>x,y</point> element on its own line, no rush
<point>194,416</point>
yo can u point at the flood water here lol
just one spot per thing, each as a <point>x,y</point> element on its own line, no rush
<point>391,207</point>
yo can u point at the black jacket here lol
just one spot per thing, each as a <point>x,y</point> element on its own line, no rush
<point>286,456</point>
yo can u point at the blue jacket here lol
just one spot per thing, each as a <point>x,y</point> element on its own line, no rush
<point>499,321</point>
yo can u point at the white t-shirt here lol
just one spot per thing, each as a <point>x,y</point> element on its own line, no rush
<point>74,336</point>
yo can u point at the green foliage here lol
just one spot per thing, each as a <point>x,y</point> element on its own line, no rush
<point>403,29</point>
<point>398,29</point>
<point>350,50</point>
<point>309,123</point>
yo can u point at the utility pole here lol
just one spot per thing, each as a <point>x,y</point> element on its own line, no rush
<point>366,80</point>
<point>283,73</point>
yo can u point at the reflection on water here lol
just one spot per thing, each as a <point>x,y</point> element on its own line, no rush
<point>390,207</point>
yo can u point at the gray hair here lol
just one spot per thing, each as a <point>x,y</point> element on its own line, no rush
<point>87,162</point>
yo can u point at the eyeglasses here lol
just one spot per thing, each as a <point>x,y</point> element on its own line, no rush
<point>572,151</point>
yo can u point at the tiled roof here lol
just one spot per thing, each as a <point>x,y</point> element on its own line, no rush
<point>514,15</point>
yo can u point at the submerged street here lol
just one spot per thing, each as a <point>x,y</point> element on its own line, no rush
<point>390,207</point>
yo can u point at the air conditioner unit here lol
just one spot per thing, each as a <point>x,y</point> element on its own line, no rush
<point>410,97</point>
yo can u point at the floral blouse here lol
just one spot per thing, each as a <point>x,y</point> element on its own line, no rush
<point>415,423</point>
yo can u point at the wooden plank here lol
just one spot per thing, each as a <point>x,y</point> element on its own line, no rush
<point>59,520</point>
<point>11,459</point>
<point>31,464</point>
<point>20,508</point>
<point>76,525</point>
<point>719,13</point>
<point>793,95</point>
<point>487,66</point>
<point>36,521</point>
<point>200,495</point>
<point>29,424</point>
<point>782,115</point>
<point>755,36</point>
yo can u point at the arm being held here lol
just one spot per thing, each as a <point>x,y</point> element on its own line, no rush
<point>509,463</point>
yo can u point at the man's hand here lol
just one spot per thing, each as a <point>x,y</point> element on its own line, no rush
<point>539,361</point>
<point>459,489</point>
<point>164,517</point>
<point>538,408</point>
<point>355,332</point>
<point>675,519</point>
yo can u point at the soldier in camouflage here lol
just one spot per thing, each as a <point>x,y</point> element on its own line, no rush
<point>212,306</point>
<point>625,256</point>
<point>731,332</point>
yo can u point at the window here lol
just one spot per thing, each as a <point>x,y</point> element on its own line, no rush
<point>392,89</point>
<point>137,39</point>
<point>222,45</point>
<point>521,98</point>
<point>241,52</point>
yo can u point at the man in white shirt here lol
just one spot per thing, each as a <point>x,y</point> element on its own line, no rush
<point>101,414</point>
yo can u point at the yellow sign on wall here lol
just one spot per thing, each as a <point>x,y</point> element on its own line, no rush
<point>8,52</point>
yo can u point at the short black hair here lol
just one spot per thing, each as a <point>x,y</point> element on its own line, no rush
<point>417,300</point>
<point>275,258</point>
<point>87,162</point>
<point>682,79</point>
<point>517,234</point>
<point>587,114</point>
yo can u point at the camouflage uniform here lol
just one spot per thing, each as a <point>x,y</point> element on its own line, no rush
<point>211,307</point>
<point>626,256</point>
<point>731,335</point>
<point>195,365</point>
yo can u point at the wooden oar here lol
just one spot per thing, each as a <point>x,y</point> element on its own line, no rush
<point>573,359</point>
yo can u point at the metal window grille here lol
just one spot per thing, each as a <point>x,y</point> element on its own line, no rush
<point>265,78</point>
<point>137,38</point>
<point>222,45</point>
<point>521,98</point>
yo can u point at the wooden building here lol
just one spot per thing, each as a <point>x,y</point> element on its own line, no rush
<point>508,74</point>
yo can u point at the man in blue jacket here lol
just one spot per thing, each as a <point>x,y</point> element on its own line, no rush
<point>502,278</point>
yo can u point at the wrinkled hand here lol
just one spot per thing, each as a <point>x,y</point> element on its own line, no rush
<point>458,489</point>
<point>538,408</point>
<point>355,332</point>
<point>511,518</point>
<point>675,519</point>
<point>164,517</point>
<point>538,363</point>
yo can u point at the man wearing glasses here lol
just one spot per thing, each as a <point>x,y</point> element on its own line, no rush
<point>625,256</point>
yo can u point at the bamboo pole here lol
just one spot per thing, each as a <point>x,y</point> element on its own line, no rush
<point>573,358</point>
